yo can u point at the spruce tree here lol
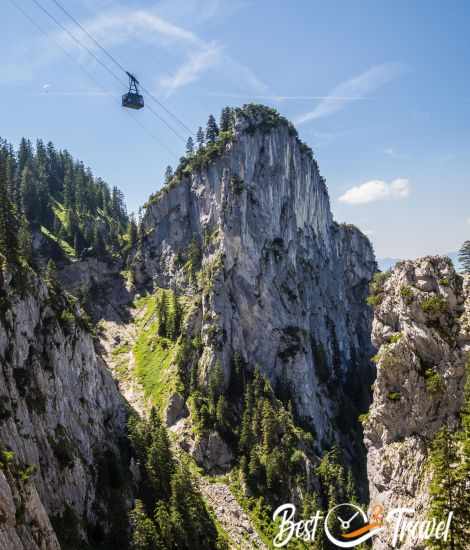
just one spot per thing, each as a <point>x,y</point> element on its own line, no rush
<point>24,240</point>
<point>132,232</point>
<point>268,427</point>
<point>8,221</point>
<point>189,147</point>
<point>168,174</point>
<point>200,138</point>
<point>464,256</point>
<point>444,489</point>
<point>212,130</point>
<point>29,194</point>
<point>226,119</point>
<point>69,192</point>
<point>144,533</point>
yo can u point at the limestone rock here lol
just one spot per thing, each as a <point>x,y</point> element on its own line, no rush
<point>176,409</point>
<point>212,453</point>
<point>421,331</point>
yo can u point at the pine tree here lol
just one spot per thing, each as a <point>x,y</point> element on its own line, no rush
<point>189,147</point>
<point>200,138</point>
<point>216,384</point>
<point>25,241</point>
<point>69,192</point>
<point>163,315</point>
<point>464,256</point>
<point>160,465</point>
<point>144,533</point>
<point>8,221</point>
<point>132,232</point>
<point>212,130</point>
<point>173,316</point>
<point>221,413</point>
<point>25,154</point>
<point>226,119</point>
<point>28,194</point>
<point>168,174</point>
<point>268,427</point>
<point>444,489</point>
<point>246,434</point>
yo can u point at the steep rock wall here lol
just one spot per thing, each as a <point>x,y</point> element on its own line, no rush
<point>62,419</point>
<point>422,331</point>
<point>284,285</point>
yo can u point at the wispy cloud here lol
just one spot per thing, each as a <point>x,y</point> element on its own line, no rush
<point>376,190</point>
<point>199,55</point>
<point>358,87</point>
<point>192,68</point>
<point>280,98</point>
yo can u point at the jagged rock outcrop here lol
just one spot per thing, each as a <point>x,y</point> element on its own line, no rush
<point>422,331</point>
<point>283,284</point>
<point>61,421</point>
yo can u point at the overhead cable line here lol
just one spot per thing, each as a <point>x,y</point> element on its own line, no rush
<point>118,64</point>
<point>90,76</point>
<point>98,60</point>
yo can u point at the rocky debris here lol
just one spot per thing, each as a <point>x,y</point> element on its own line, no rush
<point>421,329</point>
<point>231,516</point>
<point>212,453</point>
<point>117,340</point>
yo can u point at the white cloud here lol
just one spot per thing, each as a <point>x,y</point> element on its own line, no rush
<point>358,87</point>
<point>468,221</point>
<point>376,190</point>
<point>199,56</point>
<point>196,64</point>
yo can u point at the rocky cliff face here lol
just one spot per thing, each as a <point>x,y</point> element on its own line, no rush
<point>61,421</point>
<point>283,284</point>
<point>422,331</point>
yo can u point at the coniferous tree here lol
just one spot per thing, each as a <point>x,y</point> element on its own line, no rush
<point>24,240</point>
<point>226,119</point>
<point>464,468</point>
<point>200,138</point>
<point>144,532</point>
<point>189,147</point>
<point>69,194</point>
<point>216,383</point>
<point>464,256</point>
<point>212,130</point>
<point>168,174</point>
<point>29,194</point>
<point>445,488</point>
<point>25,154</point>
<point>8,221</point>
<point>132,232</point>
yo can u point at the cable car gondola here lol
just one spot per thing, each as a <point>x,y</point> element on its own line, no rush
<point>133,99</point>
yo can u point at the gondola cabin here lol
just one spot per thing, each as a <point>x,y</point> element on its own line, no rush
<point>133,99</point>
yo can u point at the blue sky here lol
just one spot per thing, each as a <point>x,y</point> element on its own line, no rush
<point>380,90</point>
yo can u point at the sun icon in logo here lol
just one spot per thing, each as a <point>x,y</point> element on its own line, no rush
<point>347,525</point>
